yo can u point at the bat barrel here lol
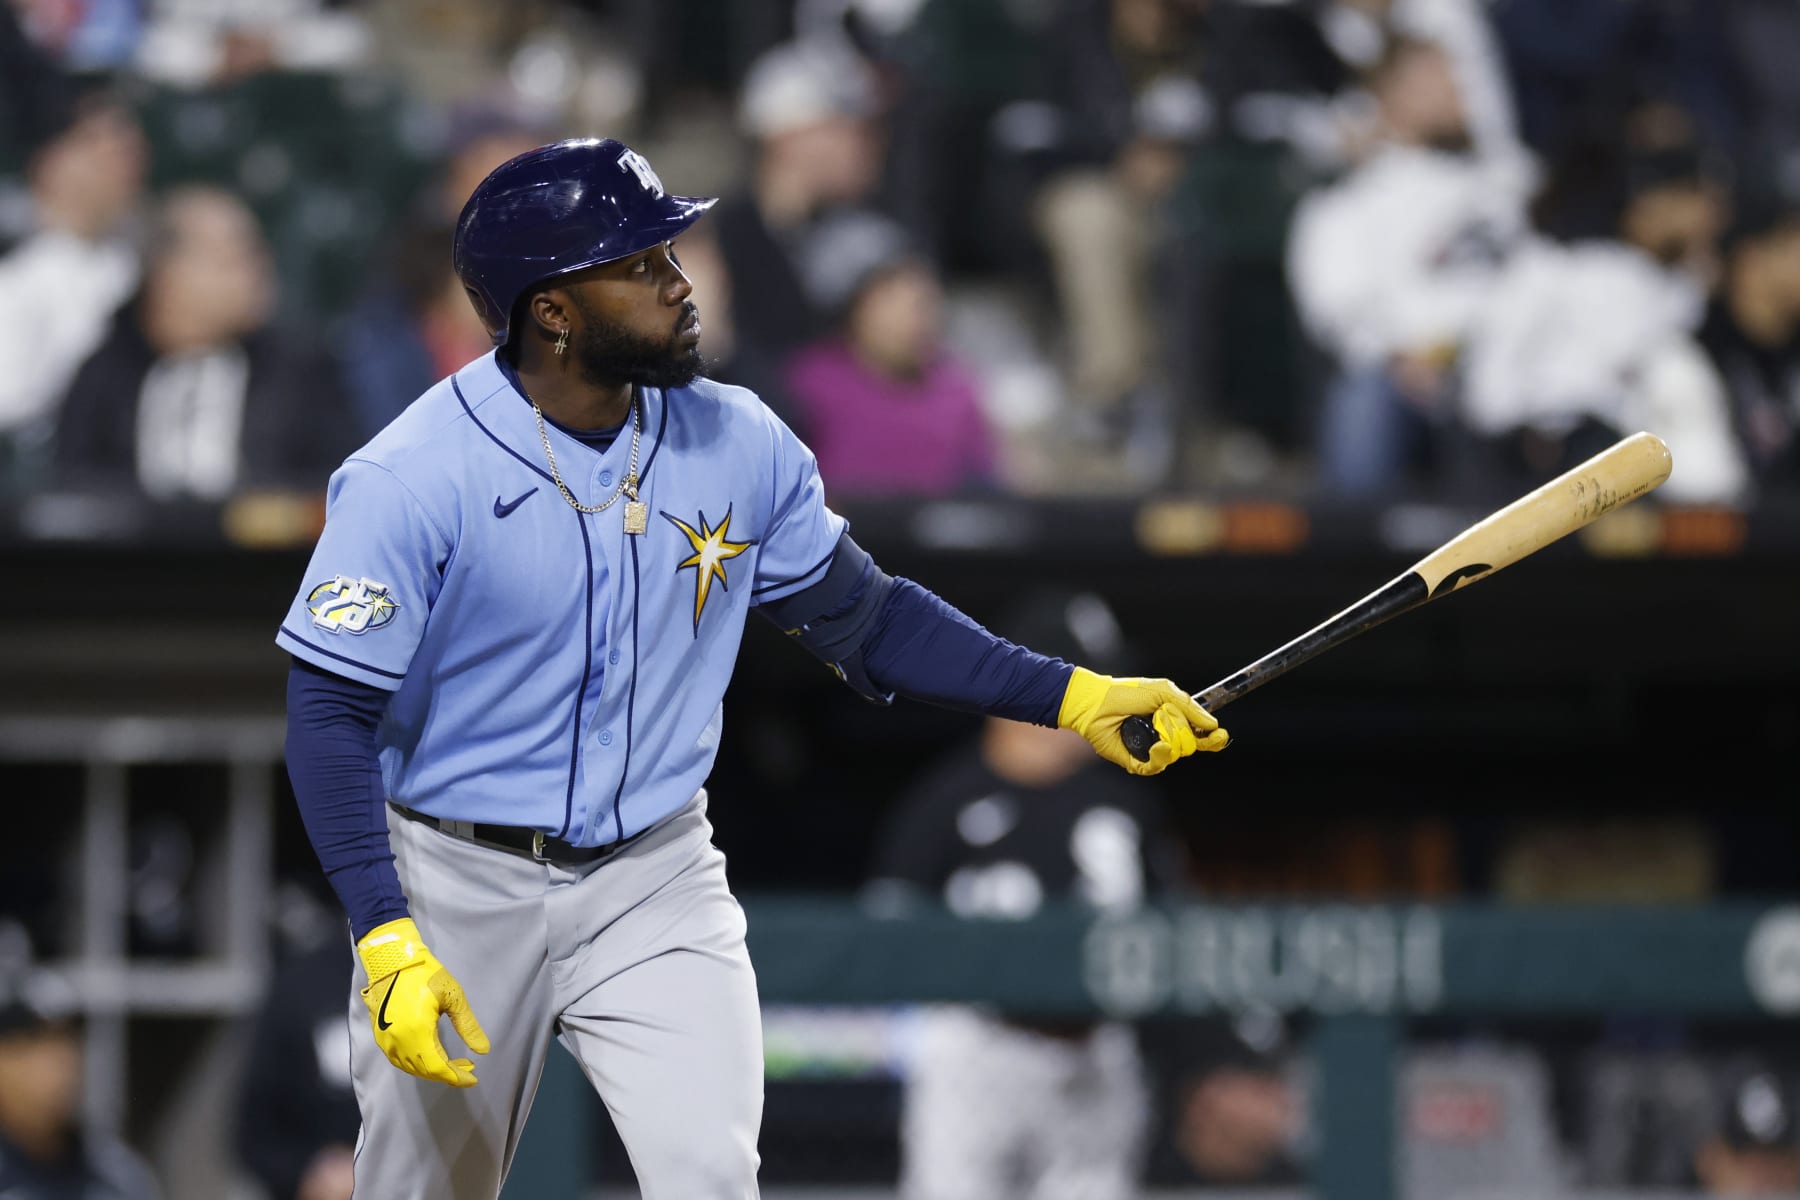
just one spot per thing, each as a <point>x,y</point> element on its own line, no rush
<point>1610,479</point>
<point>1616,476</point>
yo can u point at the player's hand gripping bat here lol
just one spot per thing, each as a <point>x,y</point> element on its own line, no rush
<point>1613,478</point>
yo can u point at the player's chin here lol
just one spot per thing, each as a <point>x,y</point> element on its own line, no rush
<point>681,368</point>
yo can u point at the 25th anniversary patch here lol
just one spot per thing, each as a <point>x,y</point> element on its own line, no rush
<point>346,605</point>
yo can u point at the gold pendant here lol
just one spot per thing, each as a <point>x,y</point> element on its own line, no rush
<point>637,516</point>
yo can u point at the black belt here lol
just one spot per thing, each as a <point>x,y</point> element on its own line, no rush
<point>529,842</point>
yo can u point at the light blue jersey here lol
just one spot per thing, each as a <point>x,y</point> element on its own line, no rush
<point>550,670</point>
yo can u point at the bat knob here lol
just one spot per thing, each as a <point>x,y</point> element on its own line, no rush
<point>1138,736</point>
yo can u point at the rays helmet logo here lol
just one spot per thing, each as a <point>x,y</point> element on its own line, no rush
<point>634,162</point>
<point>346,605</point>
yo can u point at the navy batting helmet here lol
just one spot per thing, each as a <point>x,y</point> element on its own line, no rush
<point>556,209</point>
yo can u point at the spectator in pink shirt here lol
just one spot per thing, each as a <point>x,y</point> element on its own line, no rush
<point>885,406</point>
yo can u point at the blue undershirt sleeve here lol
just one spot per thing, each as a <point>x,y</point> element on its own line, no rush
<point>884,636</point>
<point>922,647</point>
<point>331,760</point>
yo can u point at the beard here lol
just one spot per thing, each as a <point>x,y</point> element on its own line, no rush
<point>608,355</point>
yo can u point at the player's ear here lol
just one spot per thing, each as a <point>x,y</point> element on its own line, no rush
<point>550,313</point>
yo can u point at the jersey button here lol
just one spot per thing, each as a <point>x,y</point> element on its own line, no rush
<point>606,479</point>
<point>612,656</point>
<point>606,737</point>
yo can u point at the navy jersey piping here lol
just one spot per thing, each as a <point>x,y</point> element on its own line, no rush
<point>587,666</point>
<point>630,695</point>
<point>802,576</point>
<point>457,388</point>
<point>587,673</point>
<point>340,657</point>
<point>662,427</point>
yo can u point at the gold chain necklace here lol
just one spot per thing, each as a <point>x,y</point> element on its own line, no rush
<point>637,514</point>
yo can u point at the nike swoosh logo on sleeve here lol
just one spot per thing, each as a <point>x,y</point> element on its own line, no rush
<point>505,510</point>
<point>381,1021</point>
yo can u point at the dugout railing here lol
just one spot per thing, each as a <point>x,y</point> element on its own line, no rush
<point>1357,974</point>
<point>75,787</point>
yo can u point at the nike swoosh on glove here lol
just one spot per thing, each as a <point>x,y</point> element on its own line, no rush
<point>409,989</point>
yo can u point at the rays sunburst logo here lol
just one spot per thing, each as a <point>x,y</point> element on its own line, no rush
<point>712,548</point>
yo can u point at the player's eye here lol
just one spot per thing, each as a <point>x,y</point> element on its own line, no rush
<point>641,267</point>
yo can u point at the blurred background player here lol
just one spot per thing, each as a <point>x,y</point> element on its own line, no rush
<point>1753,1148</point>
<point>296,1119</point>
<point>1677,1115</point>
<point>45,1151</point>
<point>1000,1105</point>
<point>1232,1111</point>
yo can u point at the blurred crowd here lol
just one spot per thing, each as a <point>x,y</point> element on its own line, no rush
<point>1353,249</point>
<point>1344,248</point>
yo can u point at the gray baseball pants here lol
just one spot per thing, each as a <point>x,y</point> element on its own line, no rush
<point>994,1112</point>
<point>636,964</point>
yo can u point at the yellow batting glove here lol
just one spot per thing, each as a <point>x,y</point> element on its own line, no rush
<point>408,991</point>
<point>1096,705</point>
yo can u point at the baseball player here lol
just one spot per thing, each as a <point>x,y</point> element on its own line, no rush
<point>509,653</point>
<point>1003,1104</point>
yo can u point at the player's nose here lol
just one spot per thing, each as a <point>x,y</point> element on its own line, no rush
<point>678,286</point>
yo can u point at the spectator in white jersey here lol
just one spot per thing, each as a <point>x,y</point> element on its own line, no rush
<point>1390,265</point>
<point>1589,332</point>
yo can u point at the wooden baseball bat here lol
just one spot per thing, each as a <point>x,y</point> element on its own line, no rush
<point>1614,477</point>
